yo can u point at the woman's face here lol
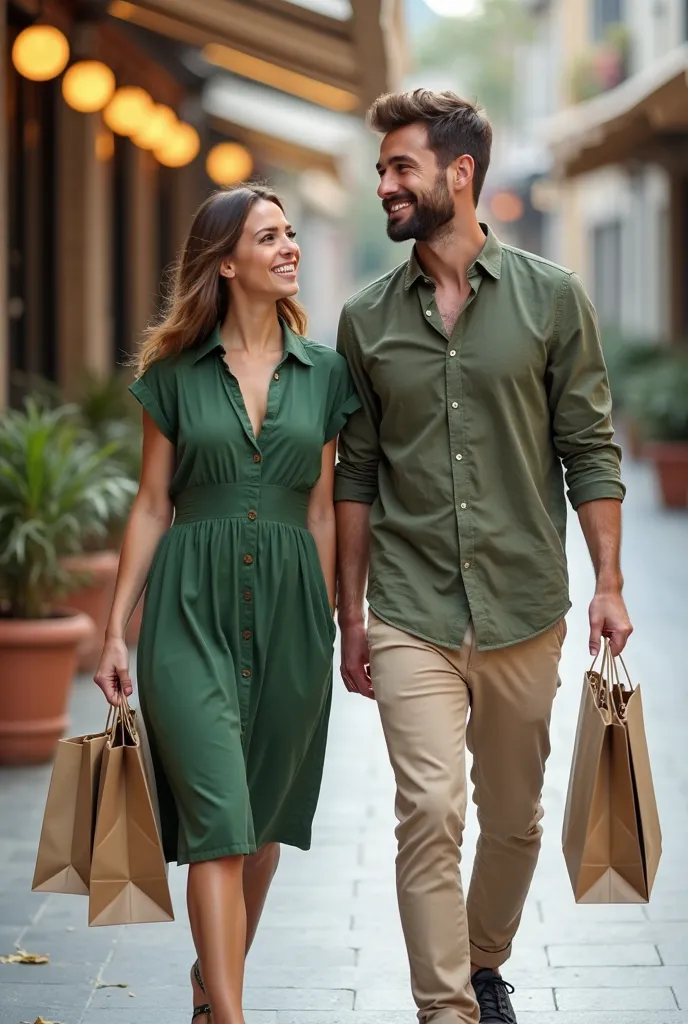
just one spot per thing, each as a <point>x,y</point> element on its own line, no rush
<point>266,258</point>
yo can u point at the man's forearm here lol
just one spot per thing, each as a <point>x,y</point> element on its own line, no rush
<point>353,546</point>
<point>601,524</point>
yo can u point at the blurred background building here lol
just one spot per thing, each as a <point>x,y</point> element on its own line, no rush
<point>119,117</point>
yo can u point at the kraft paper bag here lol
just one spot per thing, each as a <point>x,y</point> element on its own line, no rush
<point>128,870</point>
<point>612,837</point>
<point>63,862</point>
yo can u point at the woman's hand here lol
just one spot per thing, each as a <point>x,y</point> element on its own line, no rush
<point>113,671</point>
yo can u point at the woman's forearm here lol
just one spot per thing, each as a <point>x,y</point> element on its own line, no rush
<point>142,536</point>
<point>324,532</point>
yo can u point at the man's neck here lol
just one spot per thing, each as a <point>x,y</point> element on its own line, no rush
<point>448,257</point>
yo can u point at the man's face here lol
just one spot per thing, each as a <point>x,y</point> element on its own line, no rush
<point>413,189</point>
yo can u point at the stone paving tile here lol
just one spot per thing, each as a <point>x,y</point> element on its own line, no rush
<point>638,998</point>
<point>525,1017</point>
<point>594,955</point>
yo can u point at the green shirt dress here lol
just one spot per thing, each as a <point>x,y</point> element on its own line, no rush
<point>236,646</point>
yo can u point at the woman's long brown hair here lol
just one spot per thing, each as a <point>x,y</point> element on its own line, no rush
<point>199,297</point>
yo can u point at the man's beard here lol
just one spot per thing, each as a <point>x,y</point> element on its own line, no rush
<point>432,211</point>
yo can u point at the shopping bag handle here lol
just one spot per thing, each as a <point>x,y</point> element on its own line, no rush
<point>607,656</point>
<point>120,713</point>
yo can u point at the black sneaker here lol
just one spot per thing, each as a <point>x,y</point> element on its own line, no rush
<point>492,993</point>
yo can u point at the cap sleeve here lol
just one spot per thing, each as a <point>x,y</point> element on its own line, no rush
<point>157,393</point>
<point>342,400</point>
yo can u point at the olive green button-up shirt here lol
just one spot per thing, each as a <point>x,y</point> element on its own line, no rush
<point>463,443</point>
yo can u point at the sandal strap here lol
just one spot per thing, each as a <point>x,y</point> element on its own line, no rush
<point>200,1010</point>
<point>197,976</point>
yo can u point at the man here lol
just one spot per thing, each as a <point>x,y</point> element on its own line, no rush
<point>480,373</point>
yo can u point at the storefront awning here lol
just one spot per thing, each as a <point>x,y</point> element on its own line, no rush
<point>641,119</point>
<point>341,63</point>
<point>280,129</point>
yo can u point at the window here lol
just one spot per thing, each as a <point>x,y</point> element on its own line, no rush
<point>606,241</point>
<point>606,13</point>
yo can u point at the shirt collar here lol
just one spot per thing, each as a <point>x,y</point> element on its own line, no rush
<point>490,259</point>
<point>293,345</point>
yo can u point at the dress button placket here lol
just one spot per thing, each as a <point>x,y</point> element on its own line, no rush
<point>247,576</point>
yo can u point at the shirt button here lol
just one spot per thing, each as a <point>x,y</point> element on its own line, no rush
<point>276,376</point>
<point>455,405</point>
<point>466,565</point>
<point>248,559</point>
<point>252,515</point>
<point>257,457</point>
<point>428,312</point>
<point>246,673</point>
<point>248,596</point>
<point>459,457</point>
<point>453,352</point>
<point>464,505</point>
<point>247,634</point>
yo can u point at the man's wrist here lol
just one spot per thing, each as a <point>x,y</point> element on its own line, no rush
<point>609,582</point>
<point>350,619</point>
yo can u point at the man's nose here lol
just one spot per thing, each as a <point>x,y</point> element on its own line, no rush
<point>387,187</point>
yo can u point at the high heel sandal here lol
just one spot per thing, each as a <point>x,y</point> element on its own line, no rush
<point>205,1009</point>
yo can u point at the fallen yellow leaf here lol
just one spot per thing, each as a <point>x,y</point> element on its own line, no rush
<point>22,957</point>
<point>40,1020</point>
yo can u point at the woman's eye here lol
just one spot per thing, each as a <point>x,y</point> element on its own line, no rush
<point>267,238</point>
<point>291,235</point>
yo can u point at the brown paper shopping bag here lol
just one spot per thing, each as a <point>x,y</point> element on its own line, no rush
<point>612,837</point>
<point>128,870</point>
<point>63,863</point>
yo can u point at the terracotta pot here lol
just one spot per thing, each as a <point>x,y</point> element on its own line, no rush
<point>94,599</point>
<point>671,462</point>
<point>38,659</point>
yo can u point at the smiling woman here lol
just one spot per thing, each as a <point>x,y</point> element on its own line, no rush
<point>233,535</point>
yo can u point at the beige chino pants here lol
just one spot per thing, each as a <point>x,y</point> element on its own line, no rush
<point>434,704</point>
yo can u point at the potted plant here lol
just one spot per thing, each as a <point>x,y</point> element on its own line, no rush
<point>659,399</point>
<point>57,488</point>
<point>627,357</point>
<point>106,410</point>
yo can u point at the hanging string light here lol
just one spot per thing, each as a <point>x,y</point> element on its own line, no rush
<point>229,162</point>
<point>88,86</point>
<point>40,52</point>
<point>181,147</point>
<point>128,110</point>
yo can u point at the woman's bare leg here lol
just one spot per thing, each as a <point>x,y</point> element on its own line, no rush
<point>217,913</point>
<point>259,871</point>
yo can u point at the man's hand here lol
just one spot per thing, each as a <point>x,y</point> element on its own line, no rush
<point>609,617</point>
<point>355,666</point>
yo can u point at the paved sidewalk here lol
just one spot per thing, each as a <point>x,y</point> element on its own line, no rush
<point>330,948</point>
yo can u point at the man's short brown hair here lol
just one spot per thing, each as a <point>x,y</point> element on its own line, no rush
<point>455,127</point>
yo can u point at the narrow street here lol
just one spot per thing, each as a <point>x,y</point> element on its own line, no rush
<point>330,949</point>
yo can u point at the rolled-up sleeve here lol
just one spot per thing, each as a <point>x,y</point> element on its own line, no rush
<point>359,441</point>
<point>580,401</point>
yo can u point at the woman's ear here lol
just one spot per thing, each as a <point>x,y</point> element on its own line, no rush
<point>227,269</point>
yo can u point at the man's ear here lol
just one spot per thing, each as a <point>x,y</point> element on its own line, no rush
<point>462,171</point>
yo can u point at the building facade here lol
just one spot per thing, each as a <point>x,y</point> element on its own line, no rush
<point>617,190</point>
<point>91,218</point>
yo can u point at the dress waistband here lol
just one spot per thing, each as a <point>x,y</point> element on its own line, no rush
<point>242,501</point>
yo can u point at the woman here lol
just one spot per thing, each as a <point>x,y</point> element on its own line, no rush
<point>240,418</point>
